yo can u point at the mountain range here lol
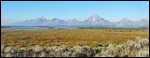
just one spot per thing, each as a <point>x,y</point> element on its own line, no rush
<point>91,21</point>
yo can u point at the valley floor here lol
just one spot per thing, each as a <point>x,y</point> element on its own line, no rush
<point>75,43</point>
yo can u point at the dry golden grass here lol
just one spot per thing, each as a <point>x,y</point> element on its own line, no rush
<point>19,38</point>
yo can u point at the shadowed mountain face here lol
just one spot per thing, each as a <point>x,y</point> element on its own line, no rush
<point>125,23</point>
<point>91,21</point>
<point>132,24</point>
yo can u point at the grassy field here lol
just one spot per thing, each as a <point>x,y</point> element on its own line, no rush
<point>23,38</point>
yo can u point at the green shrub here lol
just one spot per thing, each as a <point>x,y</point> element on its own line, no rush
<point>114,43</point>
<point>94,44</point>
<point>105,45</point>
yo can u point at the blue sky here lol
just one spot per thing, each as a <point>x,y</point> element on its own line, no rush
<point>14,11</point>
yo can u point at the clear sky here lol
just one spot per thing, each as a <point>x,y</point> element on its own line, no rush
<point>14,11</point>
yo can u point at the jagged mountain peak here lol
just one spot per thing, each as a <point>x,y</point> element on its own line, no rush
<point>125,19</point>
<point>42,17</point>
<point>72,20</point>
<point>39,18</point>
<point>55,19</point>
<point>95,18</point>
